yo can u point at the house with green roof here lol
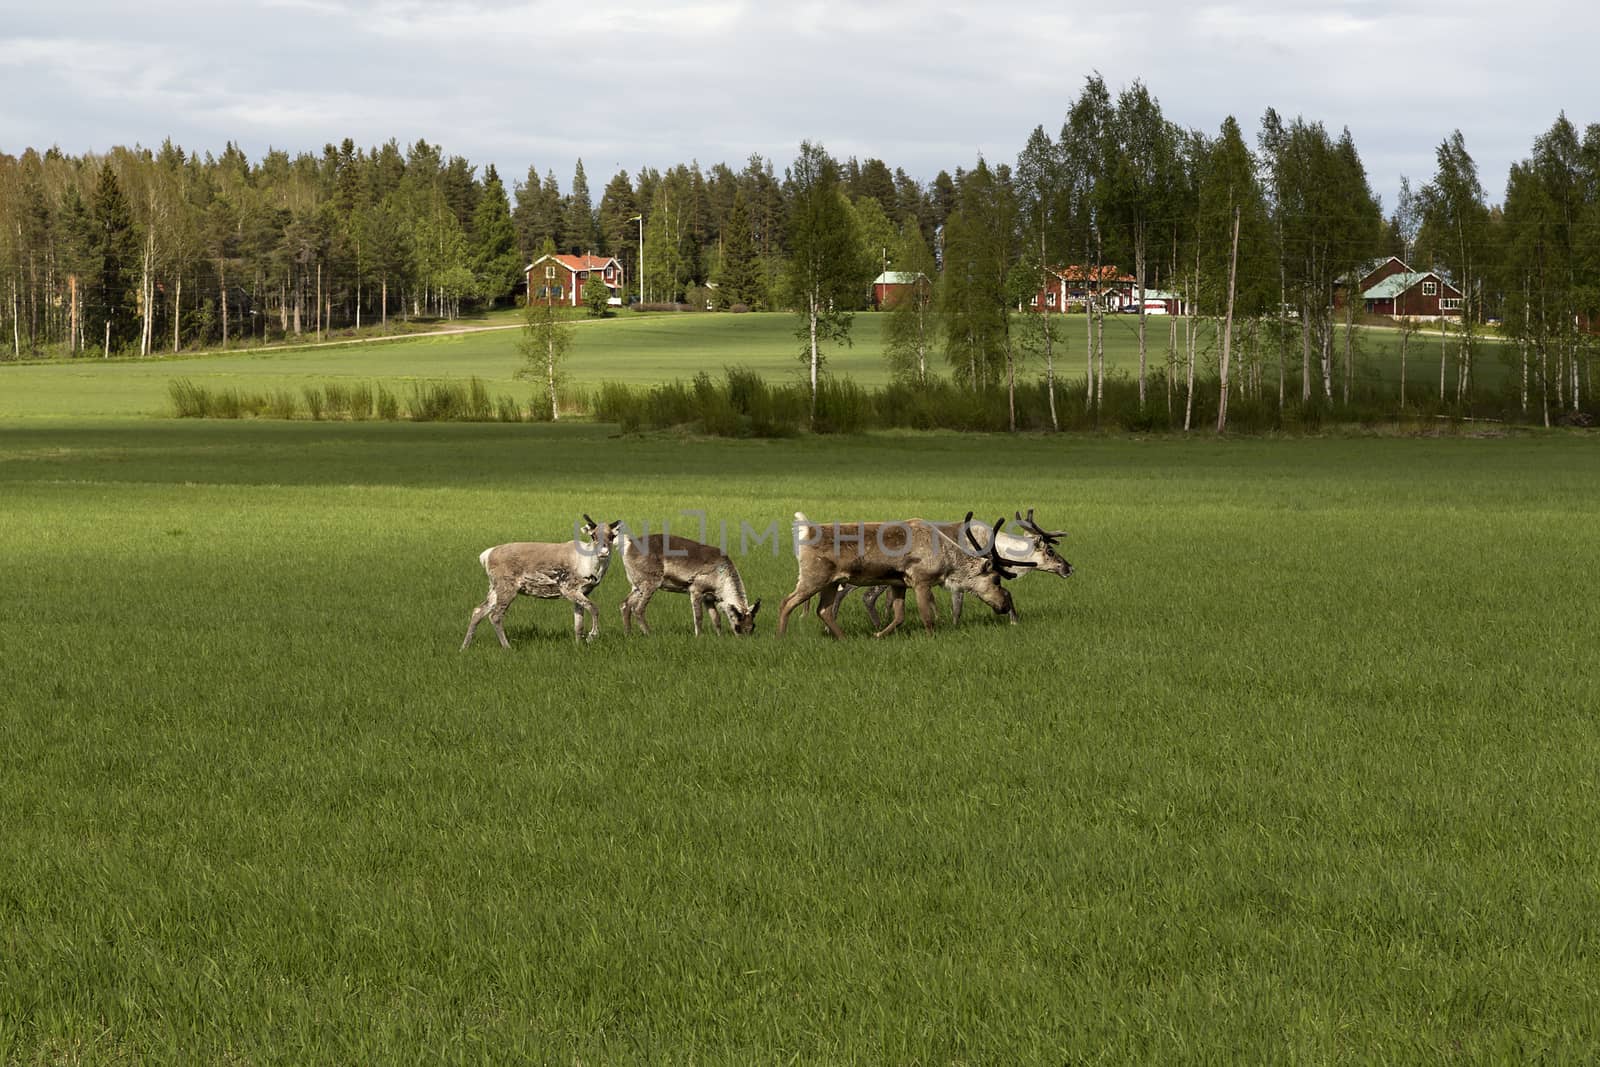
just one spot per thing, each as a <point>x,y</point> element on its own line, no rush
<point>1413,295</point>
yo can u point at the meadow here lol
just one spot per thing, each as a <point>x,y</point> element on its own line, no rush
<point>1298,767</point>
<point>634,349</point>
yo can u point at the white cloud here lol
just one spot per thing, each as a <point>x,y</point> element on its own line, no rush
<point>922,85</point>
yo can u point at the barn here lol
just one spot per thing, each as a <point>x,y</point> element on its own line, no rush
<point>890,287</point>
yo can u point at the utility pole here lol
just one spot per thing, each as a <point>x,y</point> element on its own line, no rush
<point>640,220</point>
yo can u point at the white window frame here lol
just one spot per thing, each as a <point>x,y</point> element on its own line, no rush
<point>1430,288</point>
<point>1049,300</point>
<point>1449,303</point>
<point>550,271</point>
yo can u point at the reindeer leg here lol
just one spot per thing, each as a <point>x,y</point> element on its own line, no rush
<point>581,606</point>
<point>897,614</point>
<point>870,600</point>
<point>627,610</point>
<point>645,592</point>
<point>828,608</point>
<point>925,606</point>
<point>803,592</point>
<point>697,609</point>
<point>477,616</point>
<point>497,612</point>
<point>955,606</point>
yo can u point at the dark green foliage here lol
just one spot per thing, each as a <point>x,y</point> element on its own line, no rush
<point>111,305</point>
<point>496,265</point>
<point>596,295</point>
<point>577,217</point>
<point>739,276</point>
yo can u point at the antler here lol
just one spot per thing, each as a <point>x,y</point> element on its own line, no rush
<point>1004,567</point>
<point>966,524</point>
<point>1034,528</point>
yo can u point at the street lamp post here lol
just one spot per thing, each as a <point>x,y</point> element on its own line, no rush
<point>640,220</point>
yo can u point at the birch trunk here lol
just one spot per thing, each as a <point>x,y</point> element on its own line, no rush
<point>811,323</point>
<point>1138,258</point>
<point>1088,349</point>
<point>1349,346</point>
<point>222,285</point>
<point>1305,352</point>
<point>1443,350</point>
<point>1227,329</point>
<point>1100,357</point>
<point>177,311</point>
<point>550,375</point>
<point>1188,339</point>
<point>1327,357</point>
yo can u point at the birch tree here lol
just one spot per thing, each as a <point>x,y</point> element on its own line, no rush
<point>826,273</point>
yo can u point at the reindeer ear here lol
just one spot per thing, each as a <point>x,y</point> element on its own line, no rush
<point>616,525</point>
<point>755,607</point>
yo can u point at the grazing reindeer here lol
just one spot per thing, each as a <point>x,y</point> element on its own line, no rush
<point>679,565</point>
<point>547,570</point>
<point>1037,546</point>
<point>912,554</point>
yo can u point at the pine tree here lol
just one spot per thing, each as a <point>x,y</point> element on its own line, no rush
<point>495,263</point>
<point>577,216</point>
<point>111,312</point>
<point>739,278</point>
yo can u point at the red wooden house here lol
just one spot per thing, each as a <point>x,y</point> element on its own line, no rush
<point>1413,295</point>
<point>1072,286</point>
<point>556,279</point>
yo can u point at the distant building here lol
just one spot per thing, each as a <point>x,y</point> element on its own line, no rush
<point>556,279</point>
<point>1413,295</point>
<point>890,287</point>
<point>1074,286</point>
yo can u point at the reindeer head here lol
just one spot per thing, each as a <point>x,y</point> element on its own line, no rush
<point>984,580</point>
<point>1049,561</point>
<point>744,622</point>
<point>602,535</point>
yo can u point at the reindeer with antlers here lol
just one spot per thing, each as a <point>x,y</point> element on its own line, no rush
<point>1037,547</point>
<point>913,554</point>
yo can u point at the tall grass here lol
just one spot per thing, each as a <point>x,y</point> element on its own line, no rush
<point>742,403</point>
<point>428,402</point>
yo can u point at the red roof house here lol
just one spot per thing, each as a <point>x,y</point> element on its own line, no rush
<point>557,279</point>
<point>1073,286</point>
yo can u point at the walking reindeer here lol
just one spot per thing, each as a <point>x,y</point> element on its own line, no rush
<point>911,554</point>
<point>679,565</point>
<point>566,570</point>
<point>1037,546</point>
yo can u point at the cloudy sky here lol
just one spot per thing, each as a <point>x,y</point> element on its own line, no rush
<point>924,85</point>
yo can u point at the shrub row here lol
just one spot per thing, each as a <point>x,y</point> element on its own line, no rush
<point>741,403</point>
<point>426,402</point>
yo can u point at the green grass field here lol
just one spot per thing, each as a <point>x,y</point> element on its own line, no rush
<point>636,349</point>
<point>1299,767</point>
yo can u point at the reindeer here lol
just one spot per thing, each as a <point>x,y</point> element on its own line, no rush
<point>679,565</point>
<point>547,570</point>
<point>1037,546</point>
<point>913,554</point>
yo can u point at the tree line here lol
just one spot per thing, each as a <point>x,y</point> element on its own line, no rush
<point>1260,232</point>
